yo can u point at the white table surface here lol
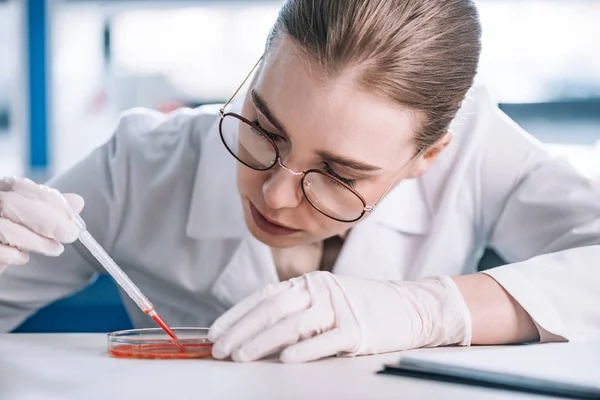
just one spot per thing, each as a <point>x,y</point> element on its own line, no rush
<point>76,366</point>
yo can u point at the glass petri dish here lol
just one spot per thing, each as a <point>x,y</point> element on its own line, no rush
<point>154,343</point>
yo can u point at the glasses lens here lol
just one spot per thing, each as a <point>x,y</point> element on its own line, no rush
<point>249,145</point>
<point>332,198</point>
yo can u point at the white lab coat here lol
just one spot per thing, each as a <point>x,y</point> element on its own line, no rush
<point>161,197</point>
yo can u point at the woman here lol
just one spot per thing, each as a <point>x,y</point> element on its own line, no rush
<point>353,102</point>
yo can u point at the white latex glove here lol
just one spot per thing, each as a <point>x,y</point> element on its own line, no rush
<point>320,314</point>
<point>34,218</point>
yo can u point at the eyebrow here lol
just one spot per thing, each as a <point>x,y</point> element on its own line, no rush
<point>264,109</point>
<point>347,162</point>
<point>327,156</point>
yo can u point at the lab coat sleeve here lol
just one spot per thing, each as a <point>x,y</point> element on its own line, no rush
<point>544,218</point>
<point>101,180</point>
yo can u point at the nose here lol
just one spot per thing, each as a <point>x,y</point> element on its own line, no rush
<point>282,189</point>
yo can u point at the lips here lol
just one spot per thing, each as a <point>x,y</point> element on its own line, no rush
<point>268,225</point>
<point>275,222</point>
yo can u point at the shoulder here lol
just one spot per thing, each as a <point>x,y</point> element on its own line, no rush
<point>482,124</point>
<point>147,133</point>
<point>155,152</point>
<point>489,155</point>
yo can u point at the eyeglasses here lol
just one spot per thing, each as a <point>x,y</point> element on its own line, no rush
<point>255,148</point>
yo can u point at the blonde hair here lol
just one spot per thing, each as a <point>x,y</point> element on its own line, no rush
<point>421,54</point>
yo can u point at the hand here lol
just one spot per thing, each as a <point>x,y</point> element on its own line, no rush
<point>320,314</point>
<point>34,218</point>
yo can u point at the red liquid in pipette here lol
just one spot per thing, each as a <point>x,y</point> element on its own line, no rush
<point>154,315</point>
<point>163,325</point>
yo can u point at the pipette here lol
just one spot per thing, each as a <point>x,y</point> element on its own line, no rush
<point>120,277</point>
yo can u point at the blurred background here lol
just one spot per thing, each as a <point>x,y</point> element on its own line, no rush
<point>69,67</point>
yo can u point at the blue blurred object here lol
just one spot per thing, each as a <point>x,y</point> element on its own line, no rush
<point>37,26</point>
<point>97,308</point>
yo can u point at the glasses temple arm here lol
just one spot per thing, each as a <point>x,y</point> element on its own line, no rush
<point>222,109</point>
<point>371,208</point>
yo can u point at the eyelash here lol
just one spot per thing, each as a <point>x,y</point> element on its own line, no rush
<point>350,182</point>
<point>326,167</point>
<point>270,135</point>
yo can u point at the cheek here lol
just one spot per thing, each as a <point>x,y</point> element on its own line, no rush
<point>323,227</point>
<point>249,180</point>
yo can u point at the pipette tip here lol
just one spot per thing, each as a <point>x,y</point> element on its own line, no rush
<point>154,315</point>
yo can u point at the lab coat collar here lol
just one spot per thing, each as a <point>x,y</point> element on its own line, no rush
<point>250,269</point>
<point>216,209</point>
<point>405,208</point>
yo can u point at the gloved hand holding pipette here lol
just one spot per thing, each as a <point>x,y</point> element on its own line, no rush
<point>35,218</point>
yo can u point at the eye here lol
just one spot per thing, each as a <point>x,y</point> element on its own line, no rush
<point>350,182</point>
<point>262,131</point>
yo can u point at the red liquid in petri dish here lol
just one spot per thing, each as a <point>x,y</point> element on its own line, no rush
<point>162,351</point>
<point>154,343</point>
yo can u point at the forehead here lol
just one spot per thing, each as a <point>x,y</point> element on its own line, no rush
<point>333,113</point>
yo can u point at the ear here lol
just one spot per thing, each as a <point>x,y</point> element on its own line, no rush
<point>428,158</point>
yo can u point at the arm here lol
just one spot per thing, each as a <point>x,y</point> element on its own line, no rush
<point>101,180</point>
<point>319,314</point>
<point>544,217</point>
<point>552,297</point>
<point>496,317</point>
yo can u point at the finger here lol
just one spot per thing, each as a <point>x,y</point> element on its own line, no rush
<point>33,191</point>
<point>327,344</point>
<point>289,331</point>
<point>74,201</point>
<point>12,256</point>
<point>265,315</point>
<point>38,216</point>
<point>15,235</point>
<point>231,317</point>
<point>7,183</point>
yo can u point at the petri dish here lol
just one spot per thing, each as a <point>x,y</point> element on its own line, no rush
<point>154,343</point>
